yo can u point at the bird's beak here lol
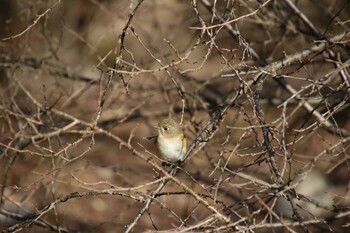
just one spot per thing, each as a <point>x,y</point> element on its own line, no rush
<point>156,126</point>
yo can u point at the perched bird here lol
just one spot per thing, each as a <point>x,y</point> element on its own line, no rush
<point>171,142</point>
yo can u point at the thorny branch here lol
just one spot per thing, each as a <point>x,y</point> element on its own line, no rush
<point>260,87</point>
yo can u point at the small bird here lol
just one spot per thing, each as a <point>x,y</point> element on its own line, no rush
<point>171,142</point>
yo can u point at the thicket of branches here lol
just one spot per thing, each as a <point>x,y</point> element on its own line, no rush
<point>261,88</point>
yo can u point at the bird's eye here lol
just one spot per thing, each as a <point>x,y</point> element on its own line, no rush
<point>165,128</point>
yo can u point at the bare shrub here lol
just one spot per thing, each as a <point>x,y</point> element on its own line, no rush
<point>261,89</point>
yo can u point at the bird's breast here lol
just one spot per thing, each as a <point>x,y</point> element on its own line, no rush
<point>171,148</point>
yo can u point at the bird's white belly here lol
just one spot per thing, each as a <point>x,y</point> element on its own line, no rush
<point>171,149</point>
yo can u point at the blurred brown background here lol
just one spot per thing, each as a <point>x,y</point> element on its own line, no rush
<point>83,83</point>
